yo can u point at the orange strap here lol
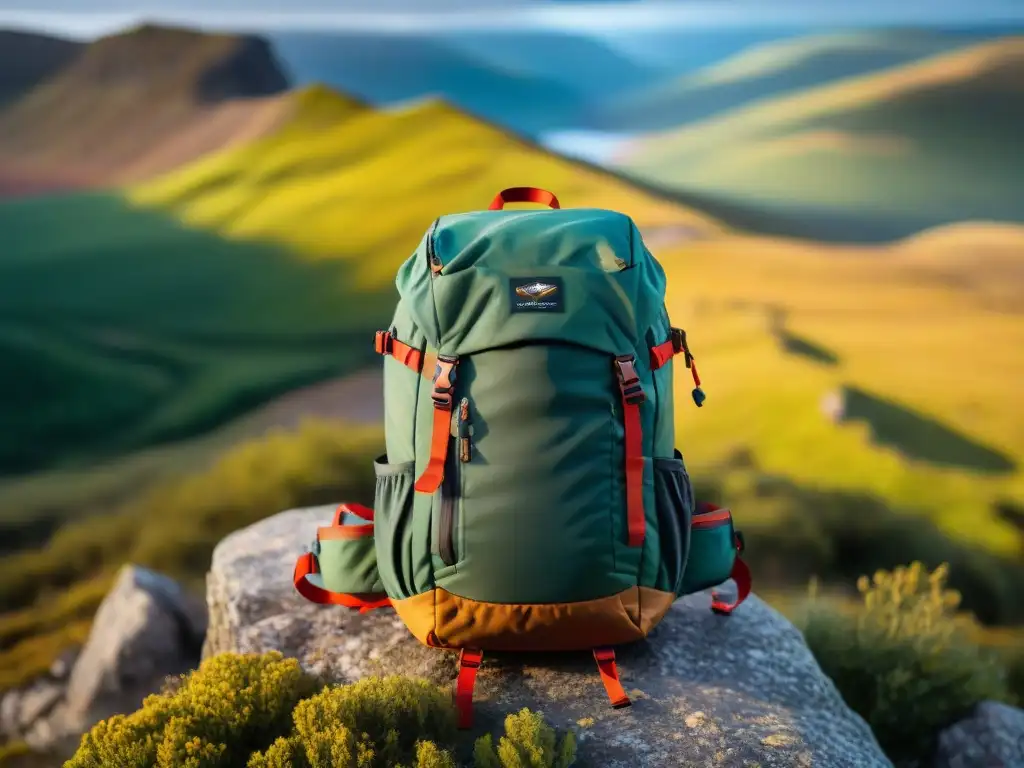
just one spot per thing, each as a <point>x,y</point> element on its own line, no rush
<point>469,662</point>
<point>384,343</point>
<point>632,397</point>
<point>443,397</point>
<point>359,510</point>
<point>306,565</point>
<point>523,195</point>
<point>605,658</point>
<point>741,575</point>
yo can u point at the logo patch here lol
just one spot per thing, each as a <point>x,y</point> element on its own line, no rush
<point>530,294</point>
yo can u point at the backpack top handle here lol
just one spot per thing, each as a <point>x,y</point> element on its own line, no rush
<point>524,195</point>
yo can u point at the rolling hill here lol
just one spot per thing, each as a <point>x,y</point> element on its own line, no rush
<point>925,144</point>
<point>384,69</point>
<point>139,103</point>
<point>769,70</point>
<point>159,314</point>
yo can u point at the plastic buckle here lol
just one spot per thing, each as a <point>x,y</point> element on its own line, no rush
<point>604,654</point>
<point>629,381</point>
<point>382,342</point>
<point>678,336</point>
<point>444,382</point>
<point>470,659</point>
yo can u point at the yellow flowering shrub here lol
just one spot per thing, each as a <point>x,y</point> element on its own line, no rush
<point>228,708</point>
<point>264,712</point>
<point>904,661</point>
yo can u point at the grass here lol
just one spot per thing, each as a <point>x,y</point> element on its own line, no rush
<point>121,329</point>
<point>926,143</point>
<point>50,594</point>
<point>931,367</point>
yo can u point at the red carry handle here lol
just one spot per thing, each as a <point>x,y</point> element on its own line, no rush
<point>524,195</point>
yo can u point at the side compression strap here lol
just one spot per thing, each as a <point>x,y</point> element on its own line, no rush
<point>306,565</point>
<point>741,575</point>
<point>469,662</point>
<point>632,397</point>
<point>441,436</point>
<point>605,658</point>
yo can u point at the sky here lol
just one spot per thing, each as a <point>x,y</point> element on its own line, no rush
<point>90,18</point>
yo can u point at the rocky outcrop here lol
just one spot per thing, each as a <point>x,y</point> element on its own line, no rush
<point>708,690</point>
<point>992,736</point>
<point>146,629</point>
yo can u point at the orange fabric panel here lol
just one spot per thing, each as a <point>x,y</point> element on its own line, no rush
<point>441,619</point>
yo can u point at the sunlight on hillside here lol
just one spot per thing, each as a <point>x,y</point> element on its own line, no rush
<point>932,423</point>
<point>368,187</point>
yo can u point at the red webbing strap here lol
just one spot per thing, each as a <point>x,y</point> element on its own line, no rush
<point>605,658</point>
<point>741,575</point>
<point>632,397</point>
<point>469,663</point>
<point>662,353</point>
<point>306,565</point>
<point>444,388</point>
<point>523,195</point>
<point>386,344</point>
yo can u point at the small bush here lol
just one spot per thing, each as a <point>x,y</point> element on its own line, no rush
<point>264,712</point>
<point>903,662</point>
<point>230,707</point>
<point>374,722</point>
<point>529,743</point>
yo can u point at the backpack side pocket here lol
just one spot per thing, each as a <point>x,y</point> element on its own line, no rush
<point>342,568</point>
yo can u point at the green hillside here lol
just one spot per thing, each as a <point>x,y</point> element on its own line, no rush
<point>769,70</point>
<point>924,144</point>
<point>153,316</point>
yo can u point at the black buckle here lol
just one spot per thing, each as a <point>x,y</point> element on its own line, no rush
<point>678,336</point>
<point>382,342</point>
<point>444,381</point>
<point>629,382</point>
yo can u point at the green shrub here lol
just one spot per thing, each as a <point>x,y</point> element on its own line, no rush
<point>903,661</point>
<point>264,712</point>
<point>228,708</point>
<point>529,743</point>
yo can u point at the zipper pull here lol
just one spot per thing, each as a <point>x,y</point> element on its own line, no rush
<point>465,451</point>
<point>698,394</point>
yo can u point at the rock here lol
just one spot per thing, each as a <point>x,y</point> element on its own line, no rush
<point>833,406</point>
<point>708,690</point>
<point>146,628</point>
<point>63,664</point>
<point>992,736</point>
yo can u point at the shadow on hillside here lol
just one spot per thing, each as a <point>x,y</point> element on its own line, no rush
<point>919,437</point>
<point>795,532</point>
<point>804,347</point>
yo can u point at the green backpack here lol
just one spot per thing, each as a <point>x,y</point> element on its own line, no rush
<point>531,497</point>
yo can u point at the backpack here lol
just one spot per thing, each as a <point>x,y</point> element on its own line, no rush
<point>531,497</point>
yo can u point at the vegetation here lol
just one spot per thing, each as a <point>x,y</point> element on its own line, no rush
<point>937,135</point>
<point>904,661</point>
<point>264,712</point>
<point>51,594</point>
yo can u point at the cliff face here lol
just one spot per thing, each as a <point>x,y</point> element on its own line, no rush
<point>139,103</point>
